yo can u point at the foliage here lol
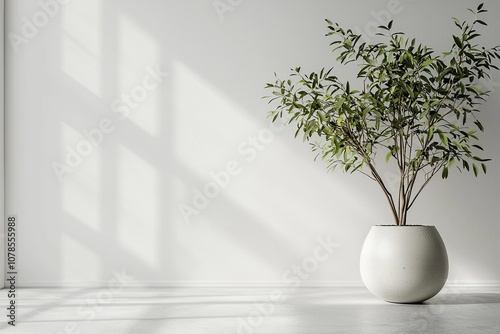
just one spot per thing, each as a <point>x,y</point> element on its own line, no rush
<point>415,106</point>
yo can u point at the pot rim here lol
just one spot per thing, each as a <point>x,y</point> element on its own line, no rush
<point>394,225</point>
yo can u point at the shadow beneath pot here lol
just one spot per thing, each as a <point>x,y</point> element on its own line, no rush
<point>464,298</point>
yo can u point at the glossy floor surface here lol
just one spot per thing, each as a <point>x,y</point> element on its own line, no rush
<point>247,310</point>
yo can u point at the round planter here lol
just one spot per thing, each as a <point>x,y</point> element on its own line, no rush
<point>404,264</point>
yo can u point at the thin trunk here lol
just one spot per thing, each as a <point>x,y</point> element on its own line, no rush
<point>386,192</point>
<point>402,171</point>
<point>409,191</point>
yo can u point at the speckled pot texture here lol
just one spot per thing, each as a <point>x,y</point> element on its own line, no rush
<point>404,264</point>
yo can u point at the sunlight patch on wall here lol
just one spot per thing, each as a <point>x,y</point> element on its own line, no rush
<point>81,43</point>
<point>209,126</point>
<point>80,188</point>
<point>138,51</point>
<point>80,198</point>
<point>79,263</point>
<point>137,212</point>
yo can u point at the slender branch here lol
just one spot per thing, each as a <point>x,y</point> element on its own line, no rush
<point>402,169</point>
<point>398,81</point>
<point>433,172</point>
<point>366,174</point>
<point>386,192</point>
<point>360,149</point>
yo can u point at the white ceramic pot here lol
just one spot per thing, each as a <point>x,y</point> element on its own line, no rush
<point>404,264</point>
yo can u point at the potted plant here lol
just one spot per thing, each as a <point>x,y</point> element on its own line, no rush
<point>411,105</point>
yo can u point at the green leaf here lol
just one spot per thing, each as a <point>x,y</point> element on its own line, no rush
<point>275,117</point>
<point>339,103</point>
<point>340,119</point>
<point>480,159</point>
<point>427,62</point>
<point>458,42</point>
<point>402,87</point>
<point>465,164</point>
<point>370,61</point>
<point>443,137</point>
<point>388,156</point>
<point>444,174</point>
<point>321,116</point>
<point>478,147</point>
<point>479,125</point>
<point>443,73</point>
<point>430,134</point>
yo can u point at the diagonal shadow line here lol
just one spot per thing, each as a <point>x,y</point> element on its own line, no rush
<point>230,92</point>
<point>138,139</point>
<point>87,237</point>
<point>184,172</point>
<point>149,159</point>
<point>148,141</point>
<point>55,303</point>
<point>138,150</point>
<point>257,231</point>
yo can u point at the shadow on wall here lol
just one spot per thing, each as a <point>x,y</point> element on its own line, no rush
<point>157,110</point>
<point>151,115</point>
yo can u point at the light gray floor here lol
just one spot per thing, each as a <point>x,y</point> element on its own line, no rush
<point>248,310</point>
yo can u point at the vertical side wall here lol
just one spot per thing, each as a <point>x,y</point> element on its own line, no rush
<point>2,216</point>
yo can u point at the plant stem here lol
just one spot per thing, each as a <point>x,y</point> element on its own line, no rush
<point>386,192</point>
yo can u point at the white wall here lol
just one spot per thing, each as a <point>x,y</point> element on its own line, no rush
<point>2,214</point>
<point>118,208</point>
